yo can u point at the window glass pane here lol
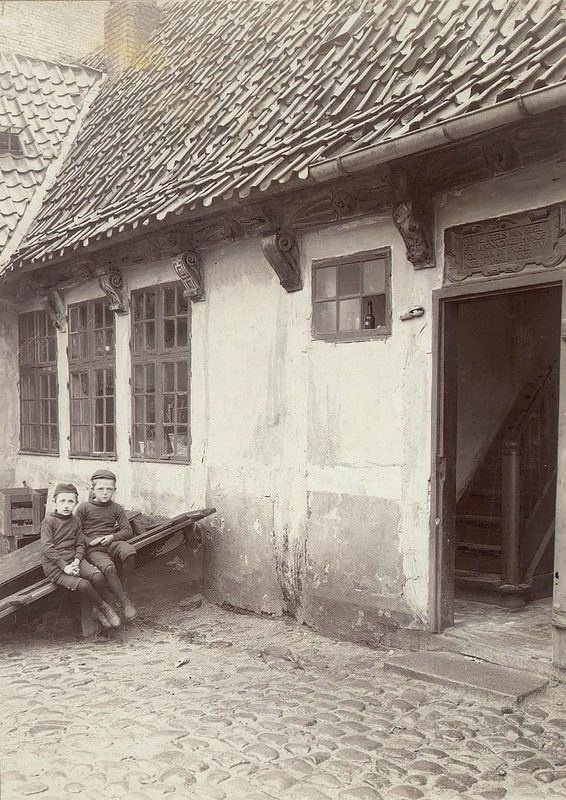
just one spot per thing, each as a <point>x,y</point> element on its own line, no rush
<point>138,306</point>
<point>349,280</point>
<point>110,445</point>
<point>150,378</point>
<point>182,410</point>
<point>109,382</point>
<point>150,336</point>
<point>139,409</point>
<point>379,309</point>
<point>98,312</point>
<point>98,439</point>
<point>99,342</point>
<point>139,338</point>
<point>325,283</point>
<point>181,332</point>
<point>325,317</point>
<point>139,382</point>
<point>139,440</point>
<point>26,339</point>
<point>169,301</point>
<point>169,377</point>
<point>182,376</point>
<point>374,276</point>
<point>169,333</point>
<point>100,381</point>
<point>99,410</point>
<point>168,408</point>
<point>182,302</point>
<point>42,350</point>
<point>349,315</point>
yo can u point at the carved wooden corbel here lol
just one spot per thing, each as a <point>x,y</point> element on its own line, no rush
<point>112,284</point>
<point>54,305</point>
<point>188,268</point>
<point>412,214</point>
<point>281,250</point>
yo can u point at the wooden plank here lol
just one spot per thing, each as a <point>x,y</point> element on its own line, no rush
<point>19,563</point>
<point>165,529</point>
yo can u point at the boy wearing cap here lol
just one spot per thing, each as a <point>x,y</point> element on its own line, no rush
<point>107,529</point>
<point>63,548</point>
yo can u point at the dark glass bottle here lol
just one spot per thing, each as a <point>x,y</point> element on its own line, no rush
<point>369,319</point>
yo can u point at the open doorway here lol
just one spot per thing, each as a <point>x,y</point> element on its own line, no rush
<point>497,446</point>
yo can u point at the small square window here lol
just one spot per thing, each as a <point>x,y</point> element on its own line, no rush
<point>352,297</point>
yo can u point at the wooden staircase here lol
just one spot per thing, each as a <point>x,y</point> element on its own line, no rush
<point>505,515</point>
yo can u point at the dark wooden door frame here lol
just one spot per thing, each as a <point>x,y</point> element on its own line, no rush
<point>442,548</point>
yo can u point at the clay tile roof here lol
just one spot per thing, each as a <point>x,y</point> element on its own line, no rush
<point>39,107</point>
<point>235,96</point>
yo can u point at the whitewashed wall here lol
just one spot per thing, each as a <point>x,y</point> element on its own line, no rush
<point>317,455</point>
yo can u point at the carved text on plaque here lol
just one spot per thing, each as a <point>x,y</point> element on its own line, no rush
<point>532,239</point>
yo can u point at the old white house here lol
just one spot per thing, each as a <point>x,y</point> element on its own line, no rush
<point>304,263</point>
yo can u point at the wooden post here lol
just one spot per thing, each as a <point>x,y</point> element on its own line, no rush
<point>511,512</point>
<point>89,626</point>
<point>559,594</point>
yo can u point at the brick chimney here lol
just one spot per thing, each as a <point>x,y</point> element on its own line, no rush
<point>128,24</point>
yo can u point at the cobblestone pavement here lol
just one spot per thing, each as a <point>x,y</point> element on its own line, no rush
<point>211,705</point>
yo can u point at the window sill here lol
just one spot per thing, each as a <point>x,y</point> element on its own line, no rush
<point>353,336</point>
<point>97,457</point>
<point>157,460</point>
<point>51,454</point>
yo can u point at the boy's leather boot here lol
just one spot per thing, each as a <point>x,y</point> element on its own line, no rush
<point>111,615</point>
<point>130,612</point>
<point>100,617</point>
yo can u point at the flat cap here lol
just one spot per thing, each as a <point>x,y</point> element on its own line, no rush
<point>65,487</point>
<point>104,474</point>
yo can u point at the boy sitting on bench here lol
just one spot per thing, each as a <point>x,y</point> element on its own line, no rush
<point>63,547</point>
<point>106,528</point>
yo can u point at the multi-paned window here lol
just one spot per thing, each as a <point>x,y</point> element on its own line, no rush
<point>39,430</point>
<point>160,373</point>
<point>352,296</point>
<point>91,379</point>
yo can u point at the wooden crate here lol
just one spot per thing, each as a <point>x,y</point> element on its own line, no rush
<point>22,511</point>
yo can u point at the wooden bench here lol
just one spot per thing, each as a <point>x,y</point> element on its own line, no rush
<point>26,593</point>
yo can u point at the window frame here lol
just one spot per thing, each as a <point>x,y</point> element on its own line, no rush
<point>35,372</point>
<point>11,142</point>
<point>159,356</point>
<point>90,364</point>
<point>380,331</point>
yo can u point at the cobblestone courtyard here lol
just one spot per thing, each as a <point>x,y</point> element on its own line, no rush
<point>211,705</point>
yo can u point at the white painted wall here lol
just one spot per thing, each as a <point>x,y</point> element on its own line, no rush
<point>316,454</point>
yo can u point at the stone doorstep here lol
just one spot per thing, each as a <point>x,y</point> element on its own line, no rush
<point>467,674</point>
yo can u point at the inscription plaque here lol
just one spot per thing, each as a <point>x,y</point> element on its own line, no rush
<point>529,240</point>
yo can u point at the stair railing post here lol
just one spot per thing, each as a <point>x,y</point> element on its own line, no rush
<point>511,511</point>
